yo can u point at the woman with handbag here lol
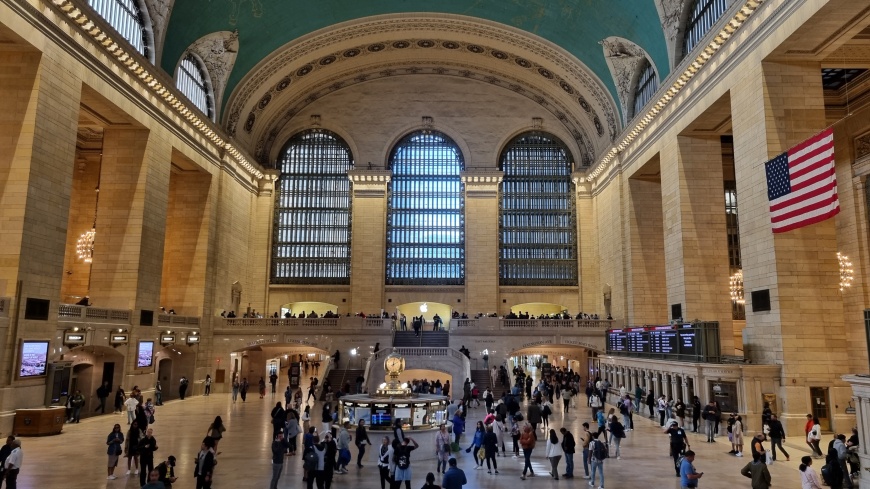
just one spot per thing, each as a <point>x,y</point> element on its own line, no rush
<point>442,449</point>
<point>476,443</point>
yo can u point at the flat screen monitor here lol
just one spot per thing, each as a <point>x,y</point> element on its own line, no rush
<point>380,418</point>
<point>145,355</point>
<point>34,355</point>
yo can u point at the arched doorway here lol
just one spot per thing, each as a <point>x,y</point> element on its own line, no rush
<point>91,367</point>
<point>288,360</point>
<point>173,363</point>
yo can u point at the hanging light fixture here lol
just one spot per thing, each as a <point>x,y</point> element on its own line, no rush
<point>85,243</point>
<point>736,287</point>
<point>847,274</point>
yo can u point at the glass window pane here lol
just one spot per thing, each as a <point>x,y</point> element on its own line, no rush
<point>125,16</point>
<point>537,222</point>
<point>647,85</point>
<point>703,16</point>
<point>311,242</point>
<point>426,221</point>
<point>191,81</point>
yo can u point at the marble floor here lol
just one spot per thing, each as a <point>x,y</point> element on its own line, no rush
<point>76,458</point>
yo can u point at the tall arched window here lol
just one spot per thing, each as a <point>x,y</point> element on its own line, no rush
<point>130,20</point>
<point>426,221</point>
<point>537,222</point>
<point>647,85</point>
<point>702,17</point>
<point>311,240</point>
<point>192,79</point>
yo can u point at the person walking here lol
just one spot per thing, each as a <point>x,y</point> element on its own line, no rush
<point>204,464</point>
<point>527,441</point>
<point>182,387</point>
<point>777,436</point>
<point>568,448</point>
<point>77,402</point>
<point>278,449</point>
<point>442,449</point>
<point>131,404</point>
<point>688,475</point>
<point>758,472</point>
<point>344,440</point>
<point>261,386</point>
<point>476,443</point>
<point>554,453</point>
<point>216,431</point>
<point>120,397</point>
<point>598,452</point>
<point>236,386</point>
<point>490,448</point>
<point>454,478</point>
<point>166,469</point>
<point>207,384</point>
<point>158,393</point>
<point>737,436</point>
<point>617,433</point>
<point>147,447</point>
<point>696,414</point>
<point>814,436</point>
<point>291,431</point>
<point>362,439</point>
<point>115,444</point>
<point>679,443</point>
<point>131,448</point>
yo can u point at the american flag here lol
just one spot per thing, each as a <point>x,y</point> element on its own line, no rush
<point>802,184</point>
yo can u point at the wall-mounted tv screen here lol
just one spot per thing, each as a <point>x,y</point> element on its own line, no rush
<point>145,355</point>
<point>34,355</point>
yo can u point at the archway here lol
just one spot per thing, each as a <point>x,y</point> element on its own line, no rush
<point>428,310</point>
<point>257,361</point>
<point>535,309</point>
<point>91,367</point>
<point>573,358</point>
<point>174,362</point>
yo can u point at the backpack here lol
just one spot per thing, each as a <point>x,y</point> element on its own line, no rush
<point>599,450</point>
<point>309,460</point>
<point>623,409</point>
<point>403,461</point>
<point>547,411</point>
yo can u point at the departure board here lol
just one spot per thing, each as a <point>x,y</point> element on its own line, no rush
<point>694,342</point>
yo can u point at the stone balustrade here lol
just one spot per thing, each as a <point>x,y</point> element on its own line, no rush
<point>71,313</point>
<point>176,320</point>
<point>322,325</point>
<point>513,325</point>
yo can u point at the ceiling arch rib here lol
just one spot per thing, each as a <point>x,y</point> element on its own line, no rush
<point>625,59</point>
<point>496,54</point>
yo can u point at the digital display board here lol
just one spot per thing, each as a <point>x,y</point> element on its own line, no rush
<point>698,342</point>
<point>145,354</point>
<point>34,355</point>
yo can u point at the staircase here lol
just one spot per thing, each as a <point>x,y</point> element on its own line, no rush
<point>435,339</point>
<point>406,339</point>
<point>337,378</point>
<point>483,380</point>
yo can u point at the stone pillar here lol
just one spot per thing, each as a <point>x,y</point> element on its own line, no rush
<point>131,220</point>
<point>368,241</point>
<point>675,392</point>
<point>775,107</point>
<point>37,155</point>
<point>482,241</point>
<point>645,276</point>
<point>685,390</point>
<point>696,242</point>
<point>587,248</point>
<point>261,240</point>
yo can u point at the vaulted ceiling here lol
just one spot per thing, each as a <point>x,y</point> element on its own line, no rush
<point>289,53</point>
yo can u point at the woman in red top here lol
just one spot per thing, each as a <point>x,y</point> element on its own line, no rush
<point>807,429</point>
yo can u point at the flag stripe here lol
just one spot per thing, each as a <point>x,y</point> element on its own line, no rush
<point>802,184</point>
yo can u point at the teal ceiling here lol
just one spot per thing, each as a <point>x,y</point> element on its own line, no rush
<point>265,25</point>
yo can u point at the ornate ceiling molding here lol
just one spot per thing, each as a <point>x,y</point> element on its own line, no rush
<point>159,11</point>
<point>218,52</point>
<point>671,15</point>
<point>293,105</point>
<point>625,59</point>
<point>384,38</point>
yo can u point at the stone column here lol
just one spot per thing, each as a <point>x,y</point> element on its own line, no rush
<point>261,240</point>
<point>776,106</point>
<point>368,241</point>
<point>696,242</point>
<point>645,276</point>
<point>685,386</point>
<point>37,157</point>
<point>587,247</point>
<point>482,241</point>
<point>131,220</point>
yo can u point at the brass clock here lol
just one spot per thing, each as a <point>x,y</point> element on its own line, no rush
<point>394,364</point>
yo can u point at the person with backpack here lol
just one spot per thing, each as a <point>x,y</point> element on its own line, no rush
<point>534,415</point>
<point>278,449</point>
<point>488,399</point>
<point>515,435</point>
<point>598,453</point>
<point>527,441</point>
<point>546,411</point>
<point>678,444</point>
<point>402,455</point>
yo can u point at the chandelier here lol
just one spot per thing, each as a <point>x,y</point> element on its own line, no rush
<point>736,287</point>
<point>85,246</point>
<point>846,272</point>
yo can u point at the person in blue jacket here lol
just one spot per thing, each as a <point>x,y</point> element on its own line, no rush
<point>476,443</point>
<point>458,426</point>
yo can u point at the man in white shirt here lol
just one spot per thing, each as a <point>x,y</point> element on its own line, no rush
<point>13,465</point>
<point>131,404</point>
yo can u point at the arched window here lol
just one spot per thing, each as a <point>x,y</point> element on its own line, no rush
<point>192,79</point>
<point>702,17</point>
<point>311,240</point>
<point>646,87</point>
<point>130,20</point>
<point>426,220</point>
<point>537,221</point>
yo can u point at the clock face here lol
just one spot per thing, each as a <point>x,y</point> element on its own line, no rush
<point>394,364</point>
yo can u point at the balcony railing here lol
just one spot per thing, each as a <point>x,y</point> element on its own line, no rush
<point>176,320</point>
<point>311,324</point>
<point>576,325</point>
<point>70,313</point>
<point>467,326</point>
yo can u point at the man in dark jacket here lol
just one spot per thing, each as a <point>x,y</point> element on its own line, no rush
<point>167,472</point>
<point>147,447</point>
<point>568,446</point>
<point>279,448</point>
<point>534,416</point>
<point>4,452</point>
<point>204,464</point>
<point>102,394</point>
<point>777,436</point>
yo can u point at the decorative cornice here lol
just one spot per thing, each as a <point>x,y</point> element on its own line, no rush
<point>369,183</point>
